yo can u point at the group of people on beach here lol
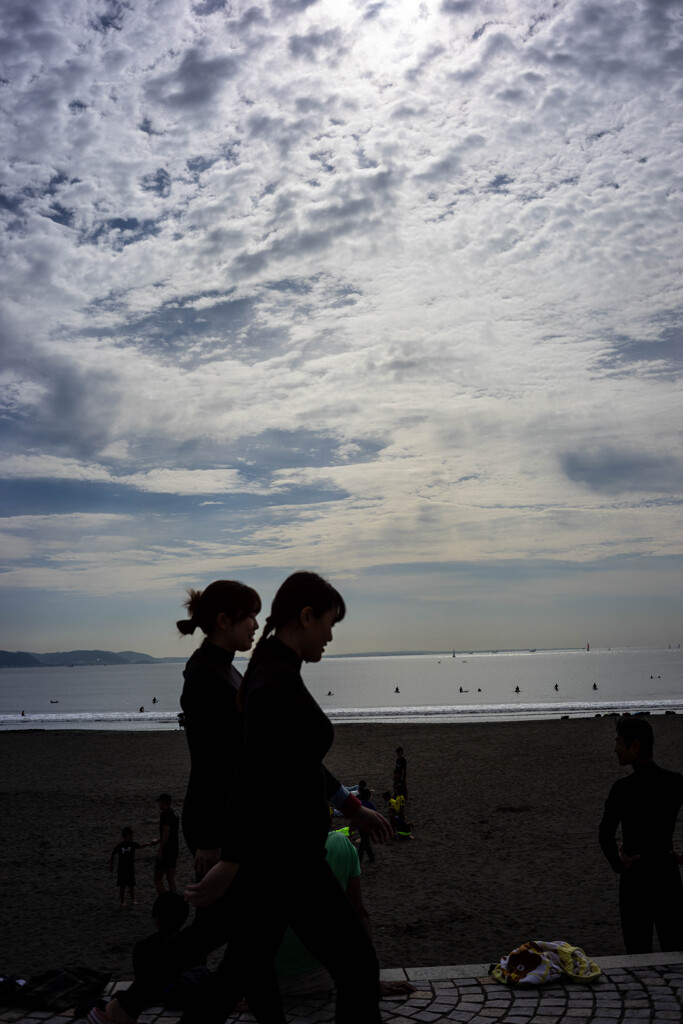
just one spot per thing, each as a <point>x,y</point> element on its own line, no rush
<point>253,738</point>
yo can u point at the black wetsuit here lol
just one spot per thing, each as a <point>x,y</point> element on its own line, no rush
<point>213,728</point>
<point>646,804</point>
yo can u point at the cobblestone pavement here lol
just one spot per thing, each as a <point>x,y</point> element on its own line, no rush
<point>638,989</point>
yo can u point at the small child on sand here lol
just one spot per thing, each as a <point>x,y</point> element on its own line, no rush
<point>125,875</point>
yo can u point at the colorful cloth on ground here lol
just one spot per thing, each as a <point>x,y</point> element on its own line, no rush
<point>537,962</point>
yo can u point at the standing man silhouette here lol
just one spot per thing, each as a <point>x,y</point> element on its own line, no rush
<point>646,804</point>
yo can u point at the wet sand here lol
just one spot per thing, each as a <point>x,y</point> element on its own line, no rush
<point>505,817</point>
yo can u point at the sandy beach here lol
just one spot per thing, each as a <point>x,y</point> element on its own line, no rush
<point>505,817</point>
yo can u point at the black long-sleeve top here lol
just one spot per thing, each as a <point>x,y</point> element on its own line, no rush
<point>286,737</point>
<point>213,728</point>
<point>647,804</point>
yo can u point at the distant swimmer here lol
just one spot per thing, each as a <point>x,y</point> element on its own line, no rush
<point>154,700</point>
<point>397,690</point>
<point>479,689</point>
<point>329,693</point>
<point>556,686</point>
<point>142,708</point>
<point>54,702</point>
<point>23,714</point>
<point>595,686</point>
<point>463,691</point>
<point>516,689</point>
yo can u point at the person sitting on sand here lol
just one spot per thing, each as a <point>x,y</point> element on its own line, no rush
<point>125,874</point>
<point>170,912</point>
<point>401,828</point>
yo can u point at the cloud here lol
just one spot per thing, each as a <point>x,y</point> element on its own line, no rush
<point>314,45</point>
<point>613,471</point>
<point>196,81</point>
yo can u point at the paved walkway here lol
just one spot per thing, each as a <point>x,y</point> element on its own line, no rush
<point>637,989</point>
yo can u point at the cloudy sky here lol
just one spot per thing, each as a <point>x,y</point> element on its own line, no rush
<point>389,290</point>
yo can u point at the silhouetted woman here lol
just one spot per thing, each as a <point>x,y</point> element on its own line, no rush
<point>226,613</point>
<point>282,876</point>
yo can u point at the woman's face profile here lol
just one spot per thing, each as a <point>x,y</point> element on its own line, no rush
<point>317,634</point>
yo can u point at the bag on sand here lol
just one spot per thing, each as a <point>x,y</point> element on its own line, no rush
<point>536,962</point>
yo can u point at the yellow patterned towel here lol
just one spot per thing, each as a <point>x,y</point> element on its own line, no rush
<point>536,962</point>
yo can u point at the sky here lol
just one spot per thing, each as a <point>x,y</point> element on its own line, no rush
<point>386,290</point>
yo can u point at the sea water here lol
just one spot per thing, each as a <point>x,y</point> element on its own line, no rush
<point>476,686</point>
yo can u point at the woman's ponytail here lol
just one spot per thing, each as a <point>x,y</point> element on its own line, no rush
<point>235,599</point>
<point>186,626</point>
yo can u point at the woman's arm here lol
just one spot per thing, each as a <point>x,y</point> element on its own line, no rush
<point>213,885</point>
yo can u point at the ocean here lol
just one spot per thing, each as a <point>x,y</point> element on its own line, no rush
<point>478,686</point>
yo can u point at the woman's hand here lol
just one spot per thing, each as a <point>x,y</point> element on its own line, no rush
<point>213,885</point>
<point>627,861</point>
<point>204,860</point>
<point>373,822</point>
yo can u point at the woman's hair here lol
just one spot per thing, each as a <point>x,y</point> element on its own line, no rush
<point>236,599</point>
<point>300,590</point>
<point>303,590</point>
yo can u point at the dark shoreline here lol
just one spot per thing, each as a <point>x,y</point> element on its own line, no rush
<point>505,817</point>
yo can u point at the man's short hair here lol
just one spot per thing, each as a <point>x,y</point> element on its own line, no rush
<point>631,727</point>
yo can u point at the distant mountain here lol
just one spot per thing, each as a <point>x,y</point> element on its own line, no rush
<point>22,659</point>
<point>18,659</point>
<point>135,658</point>
<point>81,658</point>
